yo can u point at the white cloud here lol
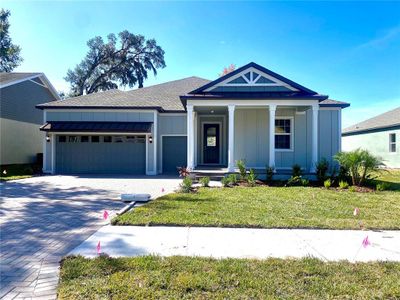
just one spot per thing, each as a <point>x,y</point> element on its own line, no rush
<point>386,37</point>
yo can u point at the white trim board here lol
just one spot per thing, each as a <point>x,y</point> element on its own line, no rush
<point>249,102</point>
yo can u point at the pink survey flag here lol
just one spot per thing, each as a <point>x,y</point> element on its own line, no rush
<point>356,211</point>
<point>105,215</point>
<point>98,248</point>
<point>366,242</point>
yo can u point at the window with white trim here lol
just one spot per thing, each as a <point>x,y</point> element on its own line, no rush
<point>392,142</point>
<point>283,134</point>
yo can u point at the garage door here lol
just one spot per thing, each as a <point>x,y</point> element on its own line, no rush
<point>174,152</point>
<point>81,154</point>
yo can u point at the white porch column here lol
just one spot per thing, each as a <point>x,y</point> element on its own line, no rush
<point>190,137</point>
<point>231,138</point>
<point>314,138</point>
<point>272,110</point>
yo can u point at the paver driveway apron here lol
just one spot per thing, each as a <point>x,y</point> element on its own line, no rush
<point>43,218</point>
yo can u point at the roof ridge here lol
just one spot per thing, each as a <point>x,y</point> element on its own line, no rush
<point>166,82</point>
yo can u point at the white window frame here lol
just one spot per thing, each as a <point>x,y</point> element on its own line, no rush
<point>291,134</point>
<point>392,143</point>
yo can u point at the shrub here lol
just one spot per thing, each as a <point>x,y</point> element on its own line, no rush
<point>186,185</point>
<point>205,181</point>
<point>352,189</point>
<point>251,178</point>
<point>242,169</point>
<point>225,181</point>
<point>321,169</point>
<point>294,181</point>
<point>296,170</point>
<point>343,185</point>
<point>305,182</point>
<point>232,179</point>
<point>360,163</point>
<point>28,171</point>
<point>183,171</point>
<point>327,183</point>
<point>269,173</point>
<point>382,186</point>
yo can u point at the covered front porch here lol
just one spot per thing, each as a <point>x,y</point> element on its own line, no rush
<point>263,133</point>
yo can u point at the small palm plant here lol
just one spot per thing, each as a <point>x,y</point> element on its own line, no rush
<point>360,163</point>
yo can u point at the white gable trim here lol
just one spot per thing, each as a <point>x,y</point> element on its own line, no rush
<point>252,80</point>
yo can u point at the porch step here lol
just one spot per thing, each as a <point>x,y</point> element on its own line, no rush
<point>216,176</point>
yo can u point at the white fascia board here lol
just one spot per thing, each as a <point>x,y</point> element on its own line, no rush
<point>244,102</point>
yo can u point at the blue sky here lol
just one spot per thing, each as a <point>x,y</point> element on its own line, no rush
<point>348,50</point>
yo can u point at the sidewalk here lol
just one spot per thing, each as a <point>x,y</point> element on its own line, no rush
<point>327,245</point>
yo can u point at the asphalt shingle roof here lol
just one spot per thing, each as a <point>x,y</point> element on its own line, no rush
<point>164,97</point>
<point>385,120</point>
<point>6,78</point>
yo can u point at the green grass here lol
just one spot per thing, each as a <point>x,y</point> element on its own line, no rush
<point>150,277</point>
<point>19,171</point>
<point>271,207</point>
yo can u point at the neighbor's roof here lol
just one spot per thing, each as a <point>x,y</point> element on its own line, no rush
<point>386,120</point>
<point>8,79</point>
<point>14,77</point>
<point>164,97</point>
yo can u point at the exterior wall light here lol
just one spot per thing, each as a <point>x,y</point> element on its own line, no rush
<point>47,138</point>
<point>150,139</point>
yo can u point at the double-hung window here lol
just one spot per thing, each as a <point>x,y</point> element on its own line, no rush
<point>392,142</point>
<point>283,134</point>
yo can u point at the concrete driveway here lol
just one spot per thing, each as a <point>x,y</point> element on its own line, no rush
<point>44,218</point>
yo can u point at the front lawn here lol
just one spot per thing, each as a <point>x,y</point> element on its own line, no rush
<point>150,277</point>
<point>271,207</point>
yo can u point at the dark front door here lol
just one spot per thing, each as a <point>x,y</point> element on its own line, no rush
<point>211,144</point>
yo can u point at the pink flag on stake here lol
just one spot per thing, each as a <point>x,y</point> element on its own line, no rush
<point>356,211</point>
<point>366,242</point>
<point>98,248</point>
<point>105,215</point>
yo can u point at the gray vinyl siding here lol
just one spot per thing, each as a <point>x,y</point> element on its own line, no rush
<point>251,136</point>
<point>100,116</point>
<point>169,125</point>
<point>328,135</point>
<point>18,102</point>
<point>20,138</point>
<point>377,143</point>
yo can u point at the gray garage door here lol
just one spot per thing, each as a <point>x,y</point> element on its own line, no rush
<point>100,154</point>
<point>174,153</point>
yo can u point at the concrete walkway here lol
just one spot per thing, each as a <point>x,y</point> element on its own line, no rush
<point>327,245</point>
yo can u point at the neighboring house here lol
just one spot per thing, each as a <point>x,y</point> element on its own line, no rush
<point>380,135</point>
<point>20,139</point>
<point>251,113</point>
